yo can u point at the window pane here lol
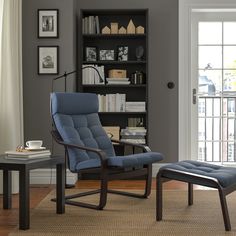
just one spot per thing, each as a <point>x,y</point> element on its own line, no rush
<point>231,129</point>
<point>209,107</point>
<point>216,129</point>
<point>210,57</point>
<point>229,81</point>
<point>216,149</point>
<point>209,151</point>
<point>231,151</point>
<point>229,57</point>
<point>201,151</point>
<point>210,33</point>
<point>217,106</point>
<point>208,128</point>
<point>201,129</point>
<point>229,32</point>
<point>201,107</point>
<point>213,81</point>
<point>231,107</point>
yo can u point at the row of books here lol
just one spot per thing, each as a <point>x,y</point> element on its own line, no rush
<point>90,25</point>
<point>134,135</point>
<point>27,155</point>
<point>112,102</point>
<point>91,76</point>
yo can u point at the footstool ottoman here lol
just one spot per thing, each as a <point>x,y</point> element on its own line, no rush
<point>200,173</point>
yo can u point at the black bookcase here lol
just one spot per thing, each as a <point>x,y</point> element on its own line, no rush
<point>134,92</point>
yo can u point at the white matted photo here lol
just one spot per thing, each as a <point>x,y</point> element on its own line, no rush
<point>107,55</point>
<point>48,23</point>
<point>48,60</point>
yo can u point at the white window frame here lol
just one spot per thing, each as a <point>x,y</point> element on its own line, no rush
<point>186,7</point>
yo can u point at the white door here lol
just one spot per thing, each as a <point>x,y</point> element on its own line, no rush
<point>213,86</point>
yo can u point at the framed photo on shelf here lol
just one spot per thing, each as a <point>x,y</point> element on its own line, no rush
<point>107,55</point>
<point>48,60</point>
<point>122,53</point>
<point>48,23</point>
<point>90,53</point>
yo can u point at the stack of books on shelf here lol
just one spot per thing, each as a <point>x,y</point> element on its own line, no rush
<point>117,81</point>
<point>27,155</point>
<point>112,102</point>
<point>90,25</point>
<point>135,106</point>
<point>91,76</point>
<point>134,135</point>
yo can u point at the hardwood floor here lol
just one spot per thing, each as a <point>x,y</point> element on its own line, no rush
<point>9,218</point>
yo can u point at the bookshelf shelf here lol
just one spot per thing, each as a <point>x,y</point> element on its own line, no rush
<point>136,95</point>
<point>114,62</point>
<point>112,36</point>
<point>122,113</point>
<point>114,85</point>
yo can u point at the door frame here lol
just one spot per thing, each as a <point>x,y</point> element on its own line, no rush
<point>186,7</point>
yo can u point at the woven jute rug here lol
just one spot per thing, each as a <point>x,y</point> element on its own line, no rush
<point>124,216</point>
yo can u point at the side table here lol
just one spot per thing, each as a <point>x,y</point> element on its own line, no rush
<point>24,167</point>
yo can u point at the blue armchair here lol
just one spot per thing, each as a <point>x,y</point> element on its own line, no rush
<point>88,148</point>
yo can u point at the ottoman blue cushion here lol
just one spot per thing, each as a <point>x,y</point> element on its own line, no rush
<point>226,176</point>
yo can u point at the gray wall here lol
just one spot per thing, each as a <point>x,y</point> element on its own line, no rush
<point>37,88</point>
<point>163,66</point>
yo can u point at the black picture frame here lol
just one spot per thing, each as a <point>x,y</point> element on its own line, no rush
<point>122,53</point>
<point>48,60</point>
<point>91,53</point>
<point>48,23</point>
<point>107,55</point>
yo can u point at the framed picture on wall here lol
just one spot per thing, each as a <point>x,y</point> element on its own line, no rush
<point>48,60</point>
<point>48,23</point>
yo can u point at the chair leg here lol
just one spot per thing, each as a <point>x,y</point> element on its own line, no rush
<point>190,194</point>
<point>224,210</point>
<point>103,193</point>
<point>102,199</point>
<point>158,198</point>
<point>148,186</point>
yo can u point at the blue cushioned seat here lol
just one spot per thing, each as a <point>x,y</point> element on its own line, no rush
<point>225,175</point>
<point>88,147</point>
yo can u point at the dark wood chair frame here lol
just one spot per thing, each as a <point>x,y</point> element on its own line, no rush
<point>107,174</point>
<point>191,178</point>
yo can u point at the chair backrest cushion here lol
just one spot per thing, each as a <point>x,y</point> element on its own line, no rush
<point>75,116</point>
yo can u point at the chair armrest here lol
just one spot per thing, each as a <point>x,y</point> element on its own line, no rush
<point>145,148</point>
<point>102,155</point>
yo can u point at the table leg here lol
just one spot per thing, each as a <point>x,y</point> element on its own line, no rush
<point>60,188</point>
<point>7,189</point>
<point>24,203</point>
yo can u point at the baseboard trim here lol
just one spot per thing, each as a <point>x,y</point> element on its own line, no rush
<point>48,176</point>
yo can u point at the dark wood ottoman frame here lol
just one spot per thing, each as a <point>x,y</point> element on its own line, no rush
<point>167,174</point>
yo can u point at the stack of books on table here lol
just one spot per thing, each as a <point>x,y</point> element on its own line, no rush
<point>118,81</point>
<point>27,155</point>
<point>134,135</point>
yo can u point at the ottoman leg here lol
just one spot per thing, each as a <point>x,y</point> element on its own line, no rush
<point>190,194</point>
<point>224,210</point>
<point>158,198</point>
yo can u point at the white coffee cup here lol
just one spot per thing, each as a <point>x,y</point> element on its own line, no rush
<point>34,144</point>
